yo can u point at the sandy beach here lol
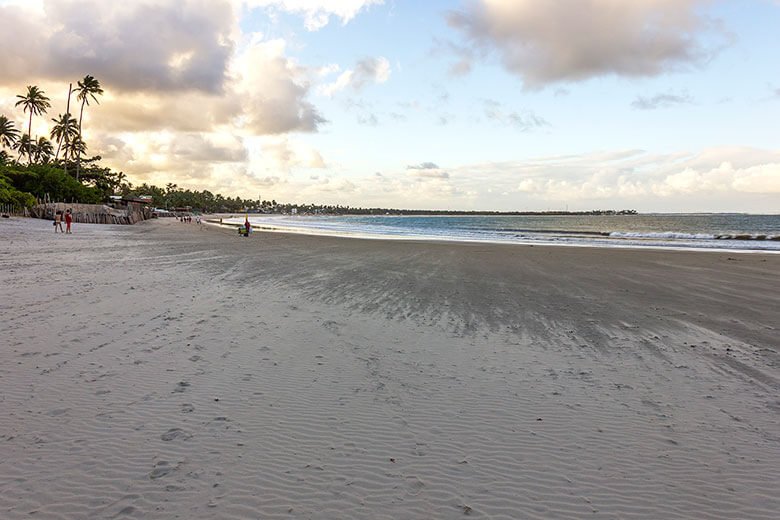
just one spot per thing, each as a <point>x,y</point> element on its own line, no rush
<point>166,370</point>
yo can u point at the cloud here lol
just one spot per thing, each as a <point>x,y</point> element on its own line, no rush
<point>268,182</point>
<point>424,166</point>
<point>159,45</point>
<point>368,120</point>
<point>367,71</point>
<point>574,40</point>
<point>283,153</point>
<point>702,181</point>
<point>273,92</point>
<point>141,112</point>
<point>661,101</point>
<point>317,13</point>
<point>523,121</point>
<point>371,70</point>
<point>203,148</point>
<point>427,170</point>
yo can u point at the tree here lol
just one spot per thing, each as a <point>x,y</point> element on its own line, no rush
<point>75,148</point>
<point>22,144</point>
<point>87,88</point>
<point>35,102</point>
<point>42,150</point>
<point>65,129</point>
<point>8,134</point>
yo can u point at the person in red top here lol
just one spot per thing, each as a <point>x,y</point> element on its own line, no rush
<point>68,221</point>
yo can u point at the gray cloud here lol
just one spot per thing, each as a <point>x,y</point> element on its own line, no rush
<point>525,121</point>
<point>427,170</point>
<point>368,119</point>
<point>423,166</point>
<point>366,72</point>
<point>661,101</point>
<point>267,182</point>
<point>370,70</point>
<point>197,148</point>
<point>545,42</point>
<point>169,45</point>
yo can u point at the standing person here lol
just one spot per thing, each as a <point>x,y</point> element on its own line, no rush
<point>68,221</point>
<point>247,226</point>
<point>58,221</point>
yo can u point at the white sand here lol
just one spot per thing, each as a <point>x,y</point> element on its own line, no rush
<point>163,371</point>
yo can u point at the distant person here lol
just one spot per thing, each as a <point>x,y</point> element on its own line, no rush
<point>248,227</point>
<point>58,221</point>
<point>68,221</point>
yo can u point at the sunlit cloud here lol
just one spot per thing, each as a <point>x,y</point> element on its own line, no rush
<point>545,42</point>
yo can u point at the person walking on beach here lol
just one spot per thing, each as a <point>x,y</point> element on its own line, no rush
<point>247,226</point>
<point>68,221</point>
<point>58,221</point>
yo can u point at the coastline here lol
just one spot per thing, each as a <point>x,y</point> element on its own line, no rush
<point>368,227</point>
<point>163,369</point>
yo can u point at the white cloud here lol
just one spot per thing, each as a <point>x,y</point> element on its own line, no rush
<point>366,71</point>
<point>317,13</point>
<point>273,89</point>
<point>572,40</point>
<point>632,178</point>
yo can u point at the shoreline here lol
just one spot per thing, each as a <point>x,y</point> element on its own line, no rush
<point>518,242</point>
<point>164,370</point>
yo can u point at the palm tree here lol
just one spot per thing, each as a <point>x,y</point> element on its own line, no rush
<point>42,150</point>
<point>65,129</point>
<point>36,102</point>
<point>22,144</point>
<point>75,148</point>
<point>8,134</point>
<point>88,88</point>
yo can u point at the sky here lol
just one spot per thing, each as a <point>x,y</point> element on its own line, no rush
<point>653,105</point>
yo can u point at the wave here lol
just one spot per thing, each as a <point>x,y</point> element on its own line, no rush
<point>546,231</point>
<point>691,236</point>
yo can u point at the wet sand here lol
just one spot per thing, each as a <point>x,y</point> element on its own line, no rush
<point>167,371</point>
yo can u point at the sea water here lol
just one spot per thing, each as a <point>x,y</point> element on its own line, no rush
<point>735,232</point>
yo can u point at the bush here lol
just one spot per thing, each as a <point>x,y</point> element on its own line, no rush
<point>41,180</point>
<point>10,195</point>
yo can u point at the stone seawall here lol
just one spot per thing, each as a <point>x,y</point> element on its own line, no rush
<point>94,213</point>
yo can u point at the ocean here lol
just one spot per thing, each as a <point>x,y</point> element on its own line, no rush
<point>733,232</point>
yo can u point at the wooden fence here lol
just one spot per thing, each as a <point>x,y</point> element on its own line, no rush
<point>94,213</point>
<point>17,211</point>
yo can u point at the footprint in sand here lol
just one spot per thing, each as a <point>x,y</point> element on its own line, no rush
<point>187,408</point>
<point>175,434</point>
<point>161,469</point>
<point>181,386</point>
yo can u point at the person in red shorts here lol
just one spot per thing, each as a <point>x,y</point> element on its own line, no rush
<point>68,221</point>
